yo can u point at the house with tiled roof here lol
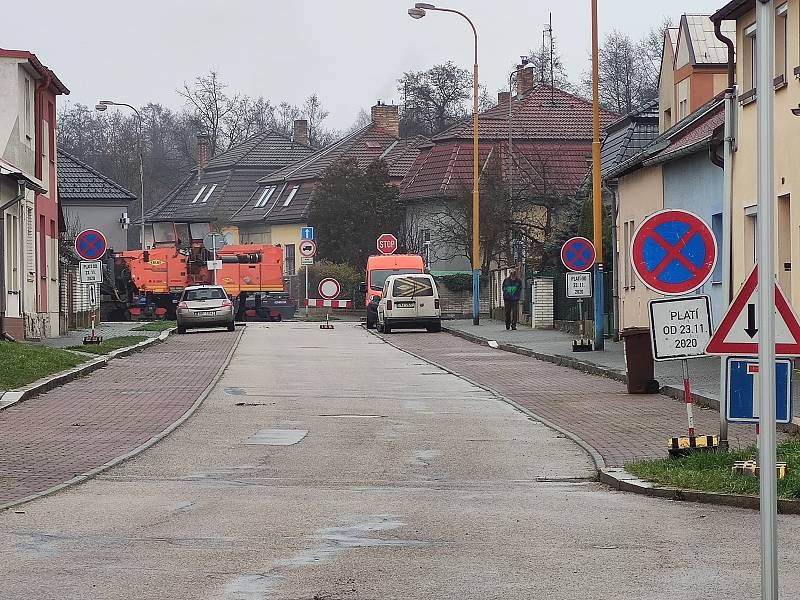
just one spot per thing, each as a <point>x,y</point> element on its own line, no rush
<point>628,135</point>
<point>279,205</point>
<point>680,167</point>
<point>551,140</point>
<point>29,214</point>
<point>219,186</point>
<point>694,67</point>
<point>90,200</point>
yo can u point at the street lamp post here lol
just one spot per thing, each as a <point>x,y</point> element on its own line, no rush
<point>418,12</point>
<point>102,106</point>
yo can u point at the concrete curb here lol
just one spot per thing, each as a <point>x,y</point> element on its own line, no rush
<point>141,448</point>
<point>670,391</point>
<point>621,480</point>
<point>614,477</point>
<point>12,397</point>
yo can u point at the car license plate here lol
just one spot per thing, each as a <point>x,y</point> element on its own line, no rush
<point>405,305</point>
<point>205,313</point>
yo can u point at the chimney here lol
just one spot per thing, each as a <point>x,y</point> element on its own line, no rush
<point>386,117</point>
<point>524,81</point>
<point>203,150</point>
<point>300,132</point>
<point>503,98</point>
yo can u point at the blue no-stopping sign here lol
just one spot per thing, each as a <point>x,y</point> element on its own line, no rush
<point>673,252</point>
<point>578,254</point>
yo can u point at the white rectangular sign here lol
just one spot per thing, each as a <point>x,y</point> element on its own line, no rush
<point>94,295</point>
<point>214,265</point>
<point>91,271</point>
<point>579,285</point>
<point>306,260</point>
<point>680,327</point>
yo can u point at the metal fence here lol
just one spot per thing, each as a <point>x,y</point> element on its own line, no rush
<point>566,309</point>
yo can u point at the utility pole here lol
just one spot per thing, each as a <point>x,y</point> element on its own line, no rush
<point>597,190</point>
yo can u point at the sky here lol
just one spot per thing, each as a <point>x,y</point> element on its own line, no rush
<point>350,52</point>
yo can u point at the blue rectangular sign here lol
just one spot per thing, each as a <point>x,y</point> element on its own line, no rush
<point>741,390</point>
<point>306,233</point>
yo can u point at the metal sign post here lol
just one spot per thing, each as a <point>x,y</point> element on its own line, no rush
<point>679,330</point>
<point>214,241</point>
<point>306,291</point>
<point>765,51</point>
<point>214,255</point>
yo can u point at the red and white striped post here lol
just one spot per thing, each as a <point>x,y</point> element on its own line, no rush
<point>687,396</point>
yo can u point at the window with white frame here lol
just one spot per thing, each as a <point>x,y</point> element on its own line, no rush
<point>781,37</point>
<point>751,57</point>
<point>291,195</point>
<point>200,193</point>
<point>28,107</point>
<point>265,196</point>
<point>208,194</point>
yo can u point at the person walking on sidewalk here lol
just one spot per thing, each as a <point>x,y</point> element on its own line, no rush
<point>512,290</point>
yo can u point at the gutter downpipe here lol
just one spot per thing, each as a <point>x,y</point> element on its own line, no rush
<point>20,195</point>
<point>612,188</point>
<point>729,144</point>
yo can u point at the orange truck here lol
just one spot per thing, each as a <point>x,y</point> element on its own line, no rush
<point>148,283</point>
<point>379,267</point>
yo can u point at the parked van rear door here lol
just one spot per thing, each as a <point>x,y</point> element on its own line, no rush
<point>414,294</point>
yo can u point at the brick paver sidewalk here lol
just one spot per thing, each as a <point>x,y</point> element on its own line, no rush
<point>86,423</point>
<point>620,426</point>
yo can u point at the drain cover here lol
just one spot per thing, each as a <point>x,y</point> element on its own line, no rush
<point>276,437</point>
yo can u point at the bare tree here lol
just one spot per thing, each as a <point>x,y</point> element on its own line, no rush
<point>207,98</point>
<point>434,99</point>
<point>628,69</point>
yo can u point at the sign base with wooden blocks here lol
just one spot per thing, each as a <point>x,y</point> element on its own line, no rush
<point>582,345</point>
<point>751,468</point>
<point>683,445</point>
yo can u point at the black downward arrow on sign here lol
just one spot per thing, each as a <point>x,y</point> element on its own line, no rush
<point>751,321</point>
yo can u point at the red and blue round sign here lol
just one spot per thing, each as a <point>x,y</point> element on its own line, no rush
<point>673,252</point>
<point>578,254</point>
<point>90,244</point>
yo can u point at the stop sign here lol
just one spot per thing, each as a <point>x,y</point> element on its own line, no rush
<point>387,243</point>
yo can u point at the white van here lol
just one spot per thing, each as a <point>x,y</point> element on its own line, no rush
<point>409,301</point>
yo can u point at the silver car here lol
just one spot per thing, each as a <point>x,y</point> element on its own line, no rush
<point>204,306</point>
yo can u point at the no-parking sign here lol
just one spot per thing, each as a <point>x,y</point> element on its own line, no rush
<point>673,252</point>
<point>578,254</point>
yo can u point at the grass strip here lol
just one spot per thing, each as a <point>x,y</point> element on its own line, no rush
<point>155,326</point>
<point>25,363</point>
<point>110,344</point>
<point>711,471</point>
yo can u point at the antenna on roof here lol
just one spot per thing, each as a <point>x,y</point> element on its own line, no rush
<point>548,32</point>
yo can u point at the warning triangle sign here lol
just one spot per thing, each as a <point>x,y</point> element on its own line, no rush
<point>738,333</point>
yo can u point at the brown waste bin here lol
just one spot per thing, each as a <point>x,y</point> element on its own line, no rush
<point>639,360</point>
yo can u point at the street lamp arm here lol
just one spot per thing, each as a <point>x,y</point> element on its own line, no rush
<point>471,24</point>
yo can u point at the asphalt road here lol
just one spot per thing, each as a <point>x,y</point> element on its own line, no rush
<point>390,480</point>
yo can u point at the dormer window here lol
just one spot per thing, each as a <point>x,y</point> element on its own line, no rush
<point>208,195</point>
<point>265,196</point>
<point>200,193</point>
<point>291,195</point>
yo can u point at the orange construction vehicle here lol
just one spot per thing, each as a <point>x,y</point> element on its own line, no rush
<point>148,283</point>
